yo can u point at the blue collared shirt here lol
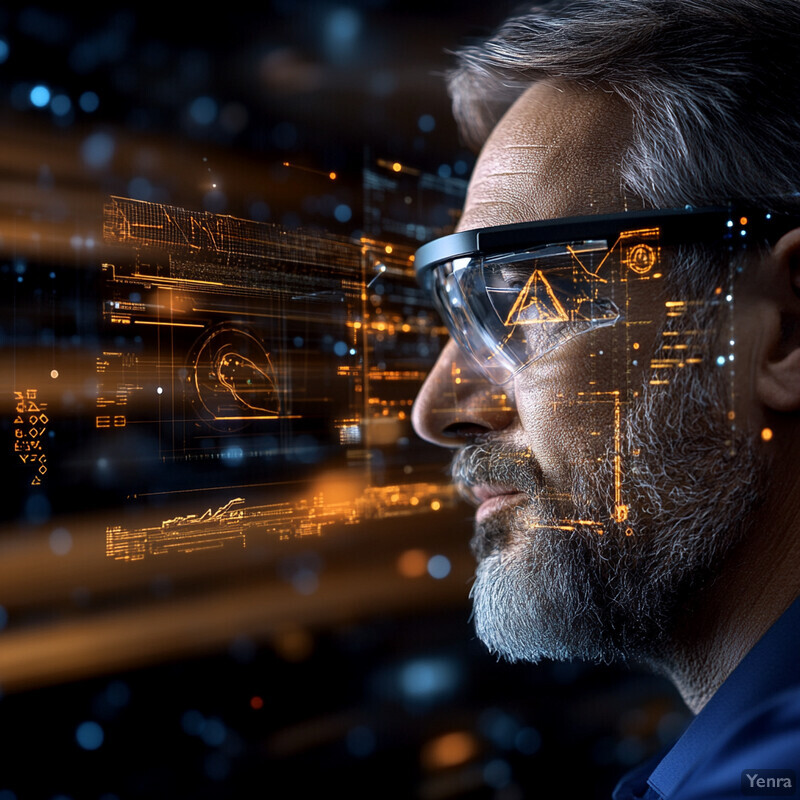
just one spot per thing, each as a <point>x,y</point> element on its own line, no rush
<point>752,723</point>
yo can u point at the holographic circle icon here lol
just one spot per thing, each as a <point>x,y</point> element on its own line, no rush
<point>232,379</point>
<point>641,258</point>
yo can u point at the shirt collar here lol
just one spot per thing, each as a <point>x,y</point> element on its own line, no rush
<point>770,667</point>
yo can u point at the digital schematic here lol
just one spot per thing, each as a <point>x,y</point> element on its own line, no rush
<point>270,355</point>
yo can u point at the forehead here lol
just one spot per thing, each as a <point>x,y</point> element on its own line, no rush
<point>557,152</point>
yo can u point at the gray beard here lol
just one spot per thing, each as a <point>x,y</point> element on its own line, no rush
<point>541,592</point>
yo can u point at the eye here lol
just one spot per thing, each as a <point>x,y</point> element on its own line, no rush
<point>515,277</point>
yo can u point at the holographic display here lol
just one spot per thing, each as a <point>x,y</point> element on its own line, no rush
<point>234,378</point>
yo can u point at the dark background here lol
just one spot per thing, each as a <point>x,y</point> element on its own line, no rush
<point>202,109</point>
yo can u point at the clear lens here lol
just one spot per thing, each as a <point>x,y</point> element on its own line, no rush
<point>507,311</point>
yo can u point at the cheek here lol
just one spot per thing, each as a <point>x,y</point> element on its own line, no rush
<point>569,409</point>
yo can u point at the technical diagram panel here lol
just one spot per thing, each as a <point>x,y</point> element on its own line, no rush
<point>211,380</point>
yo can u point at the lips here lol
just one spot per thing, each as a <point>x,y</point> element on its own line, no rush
<point>491,499</point>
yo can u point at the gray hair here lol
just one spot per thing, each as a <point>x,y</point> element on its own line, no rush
<point>713,86</point>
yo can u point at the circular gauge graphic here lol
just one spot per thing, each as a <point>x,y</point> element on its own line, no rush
<point>641,258</point>
<point>231,379</point>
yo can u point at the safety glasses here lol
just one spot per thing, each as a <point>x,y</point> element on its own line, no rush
<point>511,294</point>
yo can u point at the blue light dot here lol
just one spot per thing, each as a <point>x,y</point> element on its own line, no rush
<point>769,216</point>
<point>3,51</point>
<point>192,722</point>
<point>497,773</point>
<point>340,348</point>
<point>730,223</point>
<point>426,123</point>
<point>97,149</point>
<point>203,110</point>
<point>233,454</point>
<point>89,735</point>
<point>426,678</point>
<point>352,351</point>
<point>744,233</point>
<point>118,694</point>
<point>445,171</point>
<point>40,96</point>
<point>720,361</point>
<point>60,541</point>
<point>343,213</point>
<point>214,732</point>
<point>343,26</point>
<point>439,567</point>
<point>89,102</point>
<point>298,341</point>
<point>3,617</point>
<point>305,581</point>
<point>61,105</point>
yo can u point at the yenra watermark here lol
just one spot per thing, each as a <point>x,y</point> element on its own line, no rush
<point>769,783</point>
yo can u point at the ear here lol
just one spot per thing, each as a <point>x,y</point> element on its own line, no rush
<point>778,382</point>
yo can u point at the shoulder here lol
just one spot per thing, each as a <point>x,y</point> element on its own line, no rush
<point>766,738</point>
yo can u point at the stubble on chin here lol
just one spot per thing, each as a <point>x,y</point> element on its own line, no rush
<point>546,589</point>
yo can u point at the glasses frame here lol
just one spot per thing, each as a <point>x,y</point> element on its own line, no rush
<point>734,225</point>
<point>721,223</point>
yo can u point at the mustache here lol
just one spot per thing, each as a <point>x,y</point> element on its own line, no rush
<point>494,464</point>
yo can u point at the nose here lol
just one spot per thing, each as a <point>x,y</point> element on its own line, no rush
<point>457,403</point>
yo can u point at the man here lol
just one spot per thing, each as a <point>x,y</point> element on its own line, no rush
<point>629,435</point>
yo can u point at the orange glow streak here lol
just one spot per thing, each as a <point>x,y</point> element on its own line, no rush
<point>397,166</point>
<point>412,563</point>
<point>170,324</point>
<point>620,510</point>
<point>331,175</point>
<point>537,525</point>
<point>161,279</point>
<point>450,750</point>
<point>234,419</point>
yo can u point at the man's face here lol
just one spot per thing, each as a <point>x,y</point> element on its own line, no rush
<point>599,509</point>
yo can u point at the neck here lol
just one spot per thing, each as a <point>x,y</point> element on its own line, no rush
<point>760,581</point>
